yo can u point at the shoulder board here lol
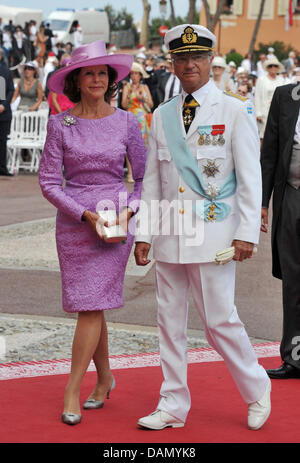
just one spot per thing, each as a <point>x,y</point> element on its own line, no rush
<point>164,102</point>
<point>236,95</point>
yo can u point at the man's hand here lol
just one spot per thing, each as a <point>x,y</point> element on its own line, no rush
<point>264,220</point>
<point>243,250</point>
<point>141,253</point>
<point>2,108</point>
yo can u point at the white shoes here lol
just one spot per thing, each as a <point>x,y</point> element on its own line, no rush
<point>160,420</point>
<point>258,412</point>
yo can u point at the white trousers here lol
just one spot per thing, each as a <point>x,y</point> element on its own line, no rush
<point>213,288</point>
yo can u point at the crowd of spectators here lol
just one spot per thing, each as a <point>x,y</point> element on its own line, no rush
<point>32,53</point>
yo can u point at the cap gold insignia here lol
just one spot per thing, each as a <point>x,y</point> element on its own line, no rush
<point>189,35</point>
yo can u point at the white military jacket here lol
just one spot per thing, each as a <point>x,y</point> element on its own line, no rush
<point>179,235</point>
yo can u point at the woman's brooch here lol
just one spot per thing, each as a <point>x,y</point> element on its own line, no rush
<point>68,120</point>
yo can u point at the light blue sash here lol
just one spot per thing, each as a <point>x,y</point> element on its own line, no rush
<point>188,168</point>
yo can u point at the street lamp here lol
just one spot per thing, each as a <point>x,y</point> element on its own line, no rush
<point>163,7</point>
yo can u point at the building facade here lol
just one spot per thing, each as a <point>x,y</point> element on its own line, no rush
<point>237,24</point>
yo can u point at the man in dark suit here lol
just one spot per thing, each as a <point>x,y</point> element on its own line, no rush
<point>168,84</point>
<point>6,93</point>
<point>280,161</point>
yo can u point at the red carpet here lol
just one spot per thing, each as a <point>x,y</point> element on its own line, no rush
<point>31,408</point>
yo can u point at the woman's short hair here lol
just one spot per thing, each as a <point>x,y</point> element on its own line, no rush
<point>72,91</point>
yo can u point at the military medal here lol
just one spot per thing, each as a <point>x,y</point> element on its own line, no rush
<point>207,140</point>
<point>201,140</point>
<point>211,169</point>
<point>217,133</point>
<point>205,135</point>
<point>187,117</point>
<point>211,215</point>
<point>221,140</point>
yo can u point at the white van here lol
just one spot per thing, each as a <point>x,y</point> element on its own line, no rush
<point>19,16</point>
<point>93,22</point>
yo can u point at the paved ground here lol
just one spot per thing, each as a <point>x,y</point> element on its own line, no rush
<point>30,280</point>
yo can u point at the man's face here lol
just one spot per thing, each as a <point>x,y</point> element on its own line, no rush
<point>192,69</point>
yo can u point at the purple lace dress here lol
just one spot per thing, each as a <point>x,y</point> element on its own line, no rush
<point>89,155</point>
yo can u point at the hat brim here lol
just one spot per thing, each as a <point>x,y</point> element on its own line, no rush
<point>21,68</point>
<point>266,64</point>
<point>120,63</point>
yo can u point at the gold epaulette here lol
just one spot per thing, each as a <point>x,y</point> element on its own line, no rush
<point>236,95</point>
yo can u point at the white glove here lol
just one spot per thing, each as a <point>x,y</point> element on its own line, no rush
<point>226,255</point>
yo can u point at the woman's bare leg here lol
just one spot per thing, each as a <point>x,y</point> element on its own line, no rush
<point>85,342</point>
<point>101,360</point>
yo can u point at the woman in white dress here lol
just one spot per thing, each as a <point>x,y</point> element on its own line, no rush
<point>265,88</point>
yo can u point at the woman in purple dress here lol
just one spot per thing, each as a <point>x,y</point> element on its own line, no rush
<point>81,172</point>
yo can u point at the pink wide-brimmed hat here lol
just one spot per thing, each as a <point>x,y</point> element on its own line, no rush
<point>92,54</point>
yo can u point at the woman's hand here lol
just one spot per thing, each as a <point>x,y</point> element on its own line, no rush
<point>92,219</point>
<point>124,217</point>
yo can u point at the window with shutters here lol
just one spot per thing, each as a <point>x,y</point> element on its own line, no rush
<point>282,7</point>
<point>238,7</point>
<point>253,9</point>
<point>212,6</point>
<point>233,7</point>
<point>228,6</point>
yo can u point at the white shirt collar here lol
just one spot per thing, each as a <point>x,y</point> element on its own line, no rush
<point>199,94</point>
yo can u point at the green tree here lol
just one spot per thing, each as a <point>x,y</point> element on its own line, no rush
<point>281,50</point>
<point>121,20</point>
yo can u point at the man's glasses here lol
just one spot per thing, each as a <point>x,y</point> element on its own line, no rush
<point>195,58</point>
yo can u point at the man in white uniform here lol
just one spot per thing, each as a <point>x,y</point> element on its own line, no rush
<point>203,161</point>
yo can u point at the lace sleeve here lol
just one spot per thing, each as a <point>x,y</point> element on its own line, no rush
<point>51,173</point>
<point>136,151</point>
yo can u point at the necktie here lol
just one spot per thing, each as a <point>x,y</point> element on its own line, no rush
<point>189,110</point>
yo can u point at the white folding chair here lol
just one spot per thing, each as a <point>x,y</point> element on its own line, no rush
<point>15,130</point>
<point>32,137</point>
<point>43,115</point>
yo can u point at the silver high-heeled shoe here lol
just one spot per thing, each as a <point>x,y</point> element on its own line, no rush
<point>70,418</point>
<point>91,404</point>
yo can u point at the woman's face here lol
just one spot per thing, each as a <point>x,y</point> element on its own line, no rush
<point>29,71</point>
<point>93,81</point>
<point>135,77</point>
<point>273,70</point>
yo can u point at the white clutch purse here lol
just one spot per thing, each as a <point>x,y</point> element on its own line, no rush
<point>113,234</point>
<point>226,255</point>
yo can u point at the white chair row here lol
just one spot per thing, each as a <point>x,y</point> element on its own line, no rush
<point>28,132</point>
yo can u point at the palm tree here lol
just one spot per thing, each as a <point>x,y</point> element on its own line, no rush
<point>145,22</point>
<point>172,16</point>
<point>257,25</point>
<point>192,11</point>
<point>212,20</point>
